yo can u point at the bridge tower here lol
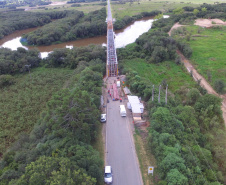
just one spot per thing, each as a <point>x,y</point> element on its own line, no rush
<point>112,63</point>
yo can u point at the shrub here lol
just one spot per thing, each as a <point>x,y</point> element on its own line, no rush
<point>6,80</point>
<point>219,85</point>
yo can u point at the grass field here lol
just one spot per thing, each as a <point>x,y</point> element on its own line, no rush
<point>209,56</point>
<point>130,9</point>
<point>156,73</point>
<point>22,103</point>
<point>120,10</point>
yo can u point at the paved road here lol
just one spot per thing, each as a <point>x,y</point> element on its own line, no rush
<point>120,150</point>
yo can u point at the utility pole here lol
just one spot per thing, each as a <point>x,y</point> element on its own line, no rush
<point>166,92</point>
<point>159,93</point>
<point>153,93</point>
<point>28,66</point>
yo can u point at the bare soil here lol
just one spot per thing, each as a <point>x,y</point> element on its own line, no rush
<point>58,3</point>
<point>175,26</point>
<point>209,22</point>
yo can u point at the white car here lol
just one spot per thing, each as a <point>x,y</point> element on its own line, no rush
<point>108,175</point>
<point>103,118</point>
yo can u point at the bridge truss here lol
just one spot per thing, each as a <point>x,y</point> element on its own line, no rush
<point>112,62</point>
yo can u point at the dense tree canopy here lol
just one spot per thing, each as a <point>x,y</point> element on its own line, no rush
<point>59,146</point>
<point>74,26</point>
<point>21,60</point>
<point>14,20</point>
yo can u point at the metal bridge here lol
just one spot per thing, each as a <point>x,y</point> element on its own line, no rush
<point>112,63</point>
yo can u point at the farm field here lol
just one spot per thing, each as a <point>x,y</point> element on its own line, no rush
<point>174,75</point>
<point>209,52</point>
<point>22,103</point>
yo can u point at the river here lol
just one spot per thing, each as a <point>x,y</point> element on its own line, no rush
<point>123,37</point>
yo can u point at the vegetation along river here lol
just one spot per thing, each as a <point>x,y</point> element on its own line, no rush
<point>123,37</point>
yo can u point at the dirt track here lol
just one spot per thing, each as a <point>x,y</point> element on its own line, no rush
<point>195,74</point>
<point>203,83</point>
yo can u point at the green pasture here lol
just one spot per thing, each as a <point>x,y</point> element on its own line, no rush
<point>175,75</point>
<point>22,103</point>
<point>130,9</point>
<point>133,8</point>
<point>209,52</point>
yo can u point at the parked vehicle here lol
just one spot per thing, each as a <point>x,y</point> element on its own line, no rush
<point>108,175</point>
<point>129,106</point>
<point>118,83</point>
<point>122,110</point>
<point>103,118</point>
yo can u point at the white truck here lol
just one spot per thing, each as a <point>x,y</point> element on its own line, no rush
<point>122,110</point>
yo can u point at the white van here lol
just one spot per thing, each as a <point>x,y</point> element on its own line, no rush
<point>118,83</point>
<point>108,175</point>
<point>122,110</point>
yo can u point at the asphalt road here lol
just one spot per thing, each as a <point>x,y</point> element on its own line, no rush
<point>120,149</point>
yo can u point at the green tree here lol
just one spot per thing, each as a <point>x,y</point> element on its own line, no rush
<point>6,80</point>
<point>54,171</point>
<point>193,95</point>
<point>195,11</point>
<point>204,9</point>
<point>172,161</point>
<point>159,16</point>
<point>178,11</point>
<point>174,177</point>
<point>219,85</point>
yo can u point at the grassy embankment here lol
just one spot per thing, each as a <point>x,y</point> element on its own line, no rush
<point>174,75</point>
<point>209,54</point>
<point>22,103</point>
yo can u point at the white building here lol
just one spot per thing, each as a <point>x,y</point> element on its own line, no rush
<point>136,106</point>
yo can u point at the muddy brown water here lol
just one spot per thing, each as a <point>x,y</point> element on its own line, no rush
<point>123,37</point>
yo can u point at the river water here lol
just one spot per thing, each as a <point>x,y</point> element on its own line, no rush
<point>123,37</point>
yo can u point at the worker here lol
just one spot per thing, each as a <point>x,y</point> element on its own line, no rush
<point>120,99</point>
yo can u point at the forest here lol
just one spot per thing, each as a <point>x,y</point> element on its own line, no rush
<point>186,135</point>
<point>59,147</point>
<point>12,4</point>
<point>70,28</point>
<point>78,27</point>
<point>19,20</point>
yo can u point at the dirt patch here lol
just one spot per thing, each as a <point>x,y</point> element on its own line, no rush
<point>58,3</point>
<point>175,26</point>
<point>209,22</point>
